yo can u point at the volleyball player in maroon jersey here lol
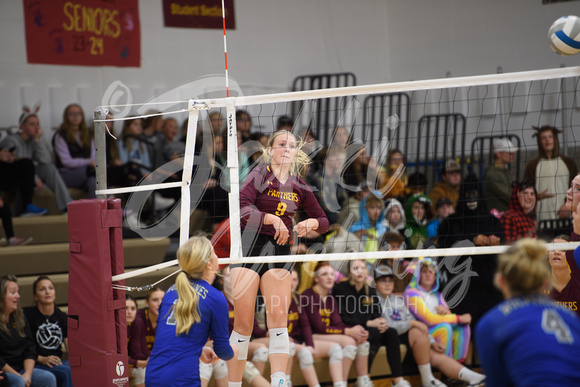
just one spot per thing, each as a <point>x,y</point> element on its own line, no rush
<point>269,199</point>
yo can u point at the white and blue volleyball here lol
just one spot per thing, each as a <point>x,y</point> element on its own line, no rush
<point>564,35</point>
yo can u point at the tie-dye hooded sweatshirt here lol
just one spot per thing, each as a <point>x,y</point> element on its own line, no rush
<point>422,303</point>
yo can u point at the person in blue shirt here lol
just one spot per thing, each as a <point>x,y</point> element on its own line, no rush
<point>191,310</point>
<point>528,340</point>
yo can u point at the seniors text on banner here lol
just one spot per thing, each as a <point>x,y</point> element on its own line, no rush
<point>198,14</point>
<point>86,33</point>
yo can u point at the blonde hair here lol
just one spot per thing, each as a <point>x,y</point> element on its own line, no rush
<point>300,160</point>
<point>193,257</point>
<point>16,318</point>
<point>524,266</point>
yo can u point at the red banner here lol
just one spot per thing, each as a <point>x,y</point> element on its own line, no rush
<point>83,32</point>
<point>198,14</point>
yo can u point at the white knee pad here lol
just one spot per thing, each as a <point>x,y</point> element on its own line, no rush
<point>363,349</point>
<point>349,351</point>
<point>205,370</point>
<point>220,369</point>
<point>250,372</point>
<point>260,355</point>
<point>279,341</point>
<point>335,354</point>
<point>242,342</point>
<point>291,349</point>
<point>305,358</point>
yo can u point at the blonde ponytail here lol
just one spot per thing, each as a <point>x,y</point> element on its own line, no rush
<point>193,257</point>
<point>524,267</point>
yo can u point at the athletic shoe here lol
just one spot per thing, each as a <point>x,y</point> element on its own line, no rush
<point>14,241</point>
<point>3,242</point>
<point>32,210</point>
<point>481,383</point>
<point>402,383</point>
<point>436,383</point>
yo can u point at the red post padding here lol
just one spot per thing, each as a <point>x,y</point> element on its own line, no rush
<point>97,333</point>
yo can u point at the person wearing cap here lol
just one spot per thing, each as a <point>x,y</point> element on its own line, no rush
<point>497,178</point>
<point>443,208</point>
<point>414,334</point>
<point>551,172</point>
<point>449,184</point>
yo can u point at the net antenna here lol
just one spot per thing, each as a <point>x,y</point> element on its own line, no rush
<point>472,101</point>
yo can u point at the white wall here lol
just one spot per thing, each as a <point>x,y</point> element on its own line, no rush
<point>275,41</point>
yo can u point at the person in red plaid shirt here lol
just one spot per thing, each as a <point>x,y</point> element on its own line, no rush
<point>519,221</point>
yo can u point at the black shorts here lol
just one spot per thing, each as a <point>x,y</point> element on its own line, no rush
<point>262,245</point>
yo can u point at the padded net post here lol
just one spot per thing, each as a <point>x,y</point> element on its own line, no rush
<point>97,332</point>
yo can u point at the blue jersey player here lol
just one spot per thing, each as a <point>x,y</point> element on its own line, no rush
<point>528,340</point>
<point>191,310</point>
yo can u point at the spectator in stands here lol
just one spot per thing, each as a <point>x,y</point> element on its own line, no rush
<point>563,289</point>
<point>443,209</point>
<point>551,173</point>
<point>415,335</point>
<point>417,184</point>
<point>327,325</point>
<point>361,169</point>
<point>330,193</point>
<point>216,123</point>
<point>150,313</point>
<point>370,228</point>
<point>167,149</point>
<point>253,147</point>
<point>394,216</point>
<point>244,124</point>
<point>17,350</point>
<point>17,178</point>
<point>340,142</point>
<point>350,212</point>
<point>416,210</point>
<point>214,198</point>
<point>426,303</point>
<point>136,344</point>
<point>152,126</point>
<point>357,304</point>
<point>48,325</point>
<point>27,146</point>
<point>74,151</point>
<point>518,222</point>
<point>284,123</point>
<point>471,223</point>
<point>528,340</point>
<point>10,239</point>
<point>573,194</point>
<point>393,177</point>
<point>393,241</point>
<point>498,187</point>
<point>450,184</point>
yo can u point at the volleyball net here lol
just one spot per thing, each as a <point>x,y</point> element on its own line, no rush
<point>349,132</point>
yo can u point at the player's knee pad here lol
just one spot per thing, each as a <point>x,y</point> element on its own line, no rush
<point>279,341</point>
<point>335,354</point>
<point>363,349</point>
<point>291,349</point>
<point>242,342</point>
<point>349,351</point>
<point>250,372</point>
<point>220,369</point>
<point>205,370</point>
<point>260,355</point>
<point>305,358</point>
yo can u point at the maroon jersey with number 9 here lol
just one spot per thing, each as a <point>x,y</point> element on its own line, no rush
<point>262,193</point>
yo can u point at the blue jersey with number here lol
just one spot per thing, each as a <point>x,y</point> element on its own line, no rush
<point>174,359</point>
<point>529,342</point>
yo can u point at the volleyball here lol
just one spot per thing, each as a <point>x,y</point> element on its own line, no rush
<point>564,35</point>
